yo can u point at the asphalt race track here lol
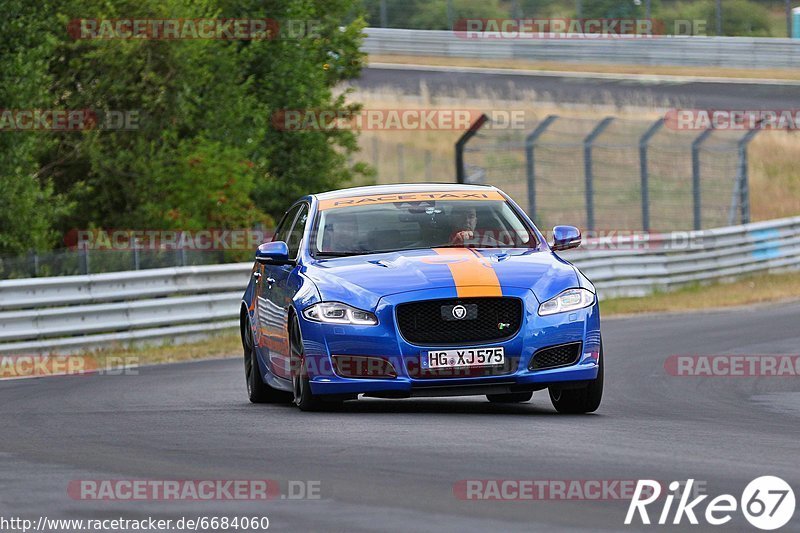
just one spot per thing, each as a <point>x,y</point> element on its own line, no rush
<point>629,92</point>
<point>391,465</point>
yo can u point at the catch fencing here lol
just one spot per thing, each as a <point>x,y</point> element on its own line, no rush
<point>612,174</point>
<point>66,314</point>
<point>75,261</point>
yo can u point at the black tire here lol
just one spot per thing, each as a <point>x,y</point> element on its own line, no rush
<point>582,400</point>
<point>303,398</point>
<point>514,397</point>
<point>257,390</point>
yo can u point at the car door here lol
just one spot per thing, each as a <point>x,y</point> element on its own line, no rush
<point>279,285</point>
<point>269,339</point>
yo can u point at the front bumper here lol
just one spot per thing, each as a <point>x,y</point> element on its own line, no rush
<point>321,341</point>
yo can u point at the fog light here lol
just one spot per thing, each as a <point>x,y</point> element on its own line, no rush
<point>359,366</point>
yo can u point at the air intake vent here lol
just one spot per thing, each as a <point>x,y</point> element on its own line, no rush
<point>555,356</point>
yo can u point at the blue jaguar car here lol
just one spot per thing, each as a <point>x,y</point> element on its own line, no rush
<point>403,291</point>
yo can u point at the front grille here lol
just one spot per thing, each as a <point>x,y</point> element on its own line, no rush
<point>555,356</point>
<point>433,322</point>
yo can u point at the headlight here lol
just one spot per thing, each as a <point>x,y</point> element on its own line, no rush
<point>339,313</point>
<point>569,300</point>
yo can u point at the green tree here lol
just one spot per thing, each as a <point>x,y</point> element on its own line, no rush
<point>622,9</point>
<point>27,204</point>
<point>432,14</point>
<point>300,74</point>
<point>739,18</point>
<point>203,153</point>
<point>195,116</point>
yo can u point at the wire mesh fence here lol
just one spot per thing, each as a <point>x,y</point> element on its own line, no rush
<point>69,262</point>
<point>398,162</point>
<point>613,174</point>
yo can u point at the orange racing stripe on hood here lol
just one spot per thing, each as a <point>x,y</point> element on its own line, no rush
<point>472,273</point>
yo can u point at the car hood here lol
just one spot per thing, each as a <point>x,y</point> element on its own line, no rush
<point>363,280</point>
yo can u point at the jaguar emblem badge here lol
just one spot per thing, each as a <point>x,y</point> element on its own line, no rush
<point>459,312</point>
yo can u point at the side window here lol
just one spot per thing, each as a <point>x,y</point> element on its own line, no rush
<point>296,233</point>
<point>286,222</point>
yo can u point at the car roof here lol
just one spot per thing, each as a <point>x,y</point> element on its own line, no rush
<point>400,188</point>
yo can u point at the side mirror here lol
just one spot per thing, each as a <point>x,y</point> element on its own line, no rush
<point>565,238</point>
<point>273,252</point>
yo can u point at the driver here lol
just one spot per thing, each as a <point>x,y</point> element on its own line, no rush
<point>344,235</point>
<point>464,229</point>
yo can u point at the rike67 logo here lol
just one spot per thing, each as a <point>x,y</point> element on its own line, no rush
<point>767,503</point>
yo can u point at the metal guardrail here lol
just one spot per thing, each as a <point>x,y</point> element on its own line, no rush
<point>63,314</point>
<point>49,315</point>
<point>638,267</point>
<point>730,52</point>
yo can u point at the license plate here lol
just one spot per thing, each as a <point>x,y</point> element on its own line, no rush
<point>464,357</point>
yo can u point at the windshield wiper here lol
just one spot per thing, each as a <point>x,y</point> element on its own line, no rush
<point>374,252</point>
<point>336,254</point>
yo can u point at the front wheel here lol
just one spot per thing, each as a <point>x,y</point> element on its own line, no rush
<point>303,398</point>
<point>583,400</point>
<point>257,390</point>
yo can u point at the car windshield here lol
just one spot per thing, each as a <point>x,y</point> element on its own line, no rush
<point>407,225</point>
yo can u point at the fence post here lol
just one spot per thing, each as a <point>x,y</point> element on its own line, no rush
<point>698,220</point>
<point>135,253</point>
<point>462,143</point>
<point>33,258</point>
<point>428,163</point>
<point>83,257</point>
<point>643,142</point>
<point>450,14</point>
<point>744,175</point>
<point>530,165</point>
<point>401,164</point>
<point>516,12</point>
<point>384,17</point>
<point>587,169</point>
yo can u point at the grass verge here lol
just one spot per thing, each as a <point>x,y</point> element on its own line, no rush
<point>749,290</point>
<point>223,344</point>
